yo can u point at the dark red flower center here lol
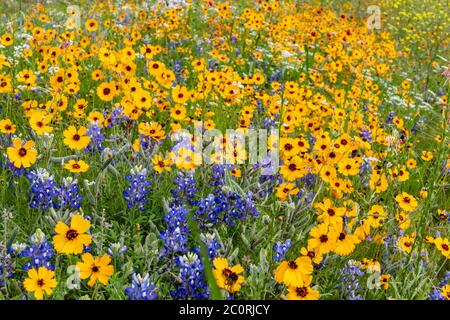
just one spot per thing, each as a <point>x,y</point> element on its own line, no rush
<point>22,152</point>
<point>302,291</point>
<point>230,276</point>
<point>71,234</point>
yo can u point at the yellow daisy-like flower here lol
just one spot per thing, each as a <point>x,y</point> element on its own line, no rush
<point>384,281</point>
<point>91,25</point>
<point>76,166</point>
<point>445,292</point>
<point>160,164</point>
<point>295,273</point>
<point>427,155</point>
<point>39,281</point>
<point>226,277</point>
<point>22,154</point>
<point>95,268</point>
<point>72,239</point>
<point>406,201</point>
<point>6,126</point>
<point>39,122</point>
<point>180,94</point>
<point>443,245</point>
<point>76,139</point>
<point>405,243</point>
<point>7,40</point>
<point>303,292</point>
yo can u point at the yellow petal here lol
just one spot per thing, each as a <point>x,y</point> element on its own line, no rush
<point>237,269</point>
<point>87,258</point>
<point>220,263</point>
<point>17,143</point>
<point>61,228</point>
<point>105,260</point>
<point>29,144</point>
<point>80,224</point>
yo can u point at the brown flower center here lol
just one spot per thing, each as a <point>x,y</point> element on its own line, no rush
<point>230,276</point>
<point>22,152</point>
<point>302,291</point>
<point>71,234</point>
<point>76,166</point>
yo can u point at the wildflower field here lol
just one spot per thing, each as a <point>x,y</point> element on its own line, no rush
<point>263,150</point>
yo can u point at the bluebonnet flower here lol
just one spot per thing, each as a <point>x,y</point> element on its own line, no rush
<point>268,123</point>
<point>175,236</point>
<point>136,194</point>
<point>178,70</point>
<point>69,194</point>
<point>365,167</point>
<point>40,252</point>
<point>436,294</point>
<point>227,207</point>
<point>390,117</point>
<point>190,281</point>
<point>47,194</point>
<point>218,177</point>
<point>185,190</point>
<point>280,250</point>
<point>309,197</point>
<point>148,145</point>
<point>212,64</point>
<point>350,281</point>
<point>116,117</point>
<point>312,139</point>
<point>117,249</point>
<point>275,76</point>
<point>141,288</point>
<point>310,179</point>
<point>268,165</point>
<point>43,188</point>
<point>211,244</point>
<point>94,131</point>
<point>17,248</point>
<point>6,266</point>
<point>199,50</point>
<point>266,184</point>
<point>2,282</point>
<point>366,134</point>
